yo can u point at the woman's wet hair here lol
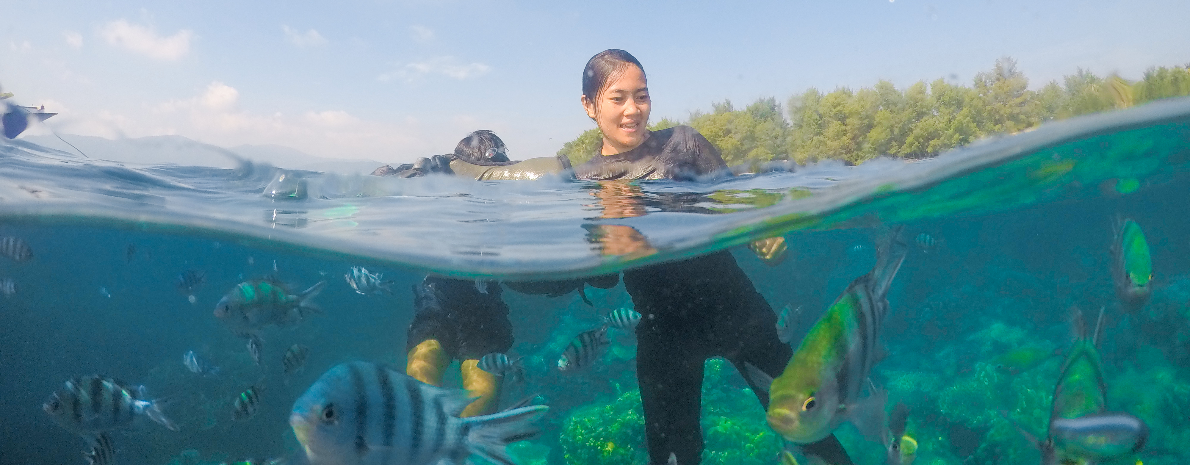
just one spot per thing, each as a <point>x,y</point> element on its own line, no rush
<point>482,147</point>
<point>603,67</point>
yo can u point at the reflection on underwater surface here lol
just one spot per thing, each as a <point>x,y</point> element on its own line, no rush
<point>978,321</point>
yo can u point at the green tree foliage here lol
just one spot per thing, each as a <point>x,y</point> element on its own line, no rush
<point>756,133</point>
<point>922,120</point>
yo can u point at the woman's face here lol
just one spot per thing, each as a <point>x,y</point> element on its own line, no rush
<point>621,111</point>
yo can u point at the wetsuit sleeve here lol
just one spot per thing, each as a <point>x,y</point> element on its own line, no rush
<point>533,168</point>
<point>689,154</point>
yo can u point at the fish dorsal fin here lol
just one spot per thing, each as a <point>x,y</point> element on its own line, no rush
<point>453,400</point>
<point>758,378</point>
<point>1098,328</point>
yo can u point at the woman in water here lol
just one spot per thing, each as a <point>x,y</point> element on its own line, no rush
<point>693,309</point>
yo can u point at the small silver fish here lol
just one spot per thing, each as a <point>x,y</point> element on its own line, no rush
<point>481,285</point>
<point>365,283</point>
<point>925,241</point>
<point>8,287</point>
<point>254,348</point>
<point>197,365</point>
<point>15,248</point>
<point>190,280</point>
<point>295,358</point>
<point>623,318</point>
<point>584,350</point>
<point>787,323</point>
<point>247,404</point>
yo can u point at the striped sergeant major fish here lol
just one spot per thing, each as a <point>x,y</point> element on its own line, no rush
<point>15,248</point>
<point>367,413</point>
<point>295,358</point>
<point>94,404</point>
<point>584,349</point>
<point>501,365</point>
<point>821,385</point>
<point>365,283</point>
<point>247,404</point>
<point>623,319</point>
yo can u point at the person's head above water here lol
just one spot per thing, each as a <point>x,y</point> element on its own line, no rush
<point>616,96</point>
<point>481,147</point>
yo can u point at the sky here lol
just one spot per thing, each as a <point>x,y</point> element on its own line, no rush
<point>395,80</point>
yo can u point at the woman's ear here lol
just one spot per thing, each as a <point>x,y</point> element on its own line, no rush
<point>588,105</point>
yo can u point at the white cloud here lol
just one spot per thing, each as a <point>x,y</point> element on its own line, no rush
<point>310,38</point>
<point>145,41</point>
<point>446,66</point>
<point>214,115</point>
<point>422,33</point>
<point>21,47</point>
<point>73,39</point>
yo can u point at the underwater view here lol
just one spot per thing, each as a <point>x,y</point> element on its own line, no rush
<point>1023,299</point>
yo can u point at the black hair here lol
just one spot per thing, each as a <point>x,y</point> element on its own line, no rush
<point>482,147</point>
<point>604,66</point>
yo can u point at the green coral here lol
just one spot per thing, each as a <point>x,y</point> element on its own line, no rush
<point>606,434</point>
<point>733,424</point>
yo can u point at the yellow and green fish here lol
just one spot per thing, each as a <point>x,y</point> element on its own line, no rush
<point>1133,267</point>
<point>1080,430</point>
<point>820,387</point>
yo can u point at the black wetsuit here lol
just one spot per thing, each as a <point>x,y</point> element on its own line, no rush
<point>468,323</point>
<point>692,309</point>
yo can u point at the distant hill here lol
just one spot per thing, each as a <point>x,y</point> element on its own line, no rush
<point>178,150</point>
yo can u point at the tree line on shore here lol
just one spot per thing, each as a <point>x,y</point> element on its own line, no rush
<point>919,121</point>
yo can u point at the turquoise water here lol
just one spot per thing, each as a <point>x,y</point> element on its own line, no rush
<point>1022,231</point>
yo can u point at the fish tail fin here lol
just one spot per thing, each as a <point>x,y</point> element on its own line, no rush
<point>487,435</point>
<point>306,305</point>
<point>868,415</point>
<point>153,411</point>
<point>890,253</point>
<point>1098,332</point>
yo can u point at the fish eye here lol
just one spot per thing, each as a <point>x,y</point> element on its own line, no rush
<point>328,413</point>
<point>54,404</point>
<point>895,446</point>
<point>809,403</point>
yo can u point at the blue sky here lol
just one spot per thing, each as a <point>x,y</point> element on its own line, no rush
<point>394,80</point>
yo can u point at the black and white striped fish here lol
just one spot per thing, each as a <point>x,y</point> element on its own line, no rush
<point>584,349</point>
<point>366,413</point>
<point>501,365</point>
<point>15,248</point>
<point>8,287</point>
<point>365,283</point>
<point>295,358</point>
<point>188,281</point>
<point>102,451</point>
<point>94,404</point>
<point>623,318</point>
<point>247,404</point>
